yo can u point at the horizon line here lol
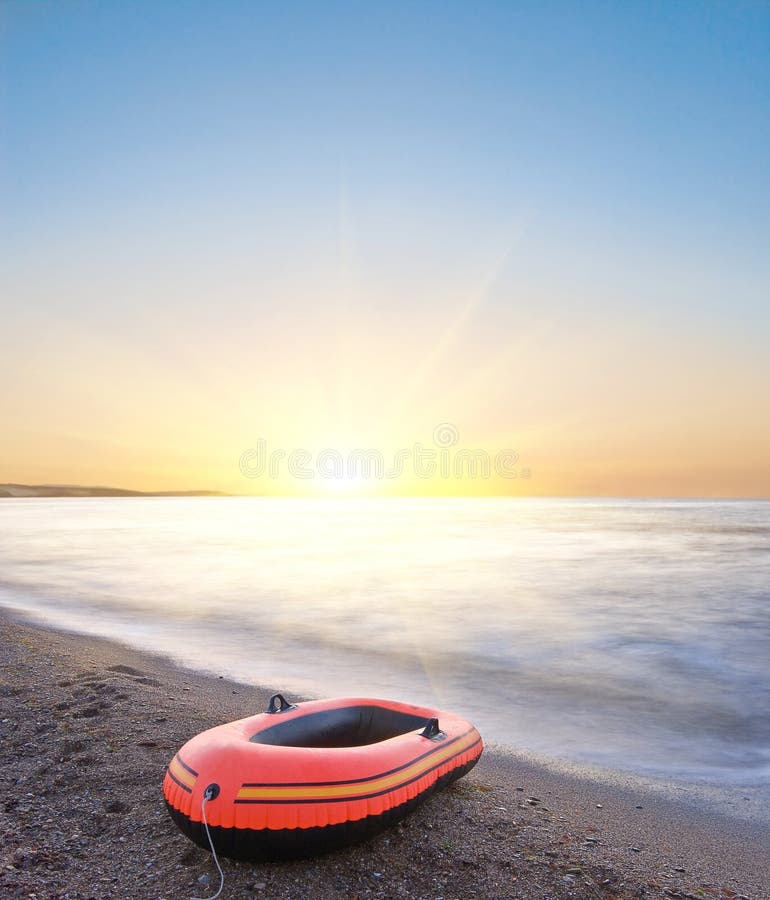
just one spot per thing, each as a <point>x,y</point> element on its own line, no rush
<point>81,491</point>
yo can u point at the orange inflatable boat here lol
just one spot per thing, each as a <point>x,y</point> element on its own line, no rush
<point>304,779</point>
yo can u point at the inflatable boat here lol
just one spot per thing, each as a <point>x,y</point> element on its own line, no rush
<point>303,779</point>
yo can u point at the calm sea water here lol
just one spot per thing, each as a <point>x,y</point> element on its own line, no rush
<point>628,634</point>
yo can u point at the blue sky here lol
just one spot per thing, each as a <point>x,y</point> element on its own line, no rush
<point>608,125</point>
<point>186,167</point>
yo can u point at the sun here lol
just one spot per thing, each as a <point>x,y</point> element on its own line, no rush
<point>346,484</point>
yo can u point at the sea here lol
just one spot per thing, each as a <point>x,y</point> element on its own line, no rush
<point>630,635</point>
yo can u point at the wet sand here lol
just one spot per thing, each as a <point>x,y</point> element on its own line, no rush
<point>86,730</point>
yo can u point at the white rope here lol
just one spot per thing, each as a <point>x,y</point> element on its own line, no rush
<point>213,852</point>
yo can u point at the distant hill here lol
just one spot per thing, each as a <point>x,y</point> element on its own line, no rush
<point>79,490</point>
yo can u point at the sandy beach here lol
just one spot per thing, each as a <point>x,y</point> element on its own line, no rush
<point>88,727</point>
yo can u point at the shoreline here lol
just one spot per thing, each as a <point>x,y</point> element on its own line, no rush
<point>88,726</point>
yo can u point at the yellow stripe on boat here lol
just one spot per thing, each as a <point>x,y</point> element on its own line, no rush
<point>374,786</point>
<point>181,774</point>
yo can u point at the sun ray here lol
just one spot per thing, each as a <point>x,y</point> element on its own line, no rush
<point>449,336</point>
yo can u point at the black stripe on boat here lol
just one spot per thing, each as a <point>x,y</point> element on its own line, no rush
<point>184,765</point>
<point>177,781</point>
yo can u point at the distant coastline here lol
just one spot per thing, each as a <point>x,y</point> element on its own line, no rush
<point>79,490</point>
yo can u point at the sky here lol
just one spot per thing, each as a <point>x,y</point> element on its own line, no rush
<point>239,241</point>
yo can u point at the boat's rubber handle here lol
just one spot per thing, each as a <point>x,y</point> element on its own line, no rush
<point>278,704</point>
<point>433,731</point>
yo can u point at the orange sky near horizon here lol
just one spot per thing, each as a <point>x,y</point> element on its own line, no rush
<point>602,408</point>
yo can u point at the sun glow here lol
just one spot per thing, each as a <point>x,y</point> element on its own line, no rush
<point>346,484</point>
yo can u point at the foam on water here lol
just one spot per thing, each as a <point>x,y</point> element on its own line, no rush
<point>628,634</point>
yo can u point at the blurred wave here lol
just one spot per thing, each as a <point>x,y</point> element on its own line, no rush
<point>631,634</point>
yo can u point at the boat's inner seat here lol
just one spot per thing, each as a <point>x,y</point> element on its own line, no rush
<point>348,726</point>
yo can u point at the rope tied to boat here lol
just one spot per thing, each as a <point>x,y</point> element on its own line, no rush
<point>209,794</point>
